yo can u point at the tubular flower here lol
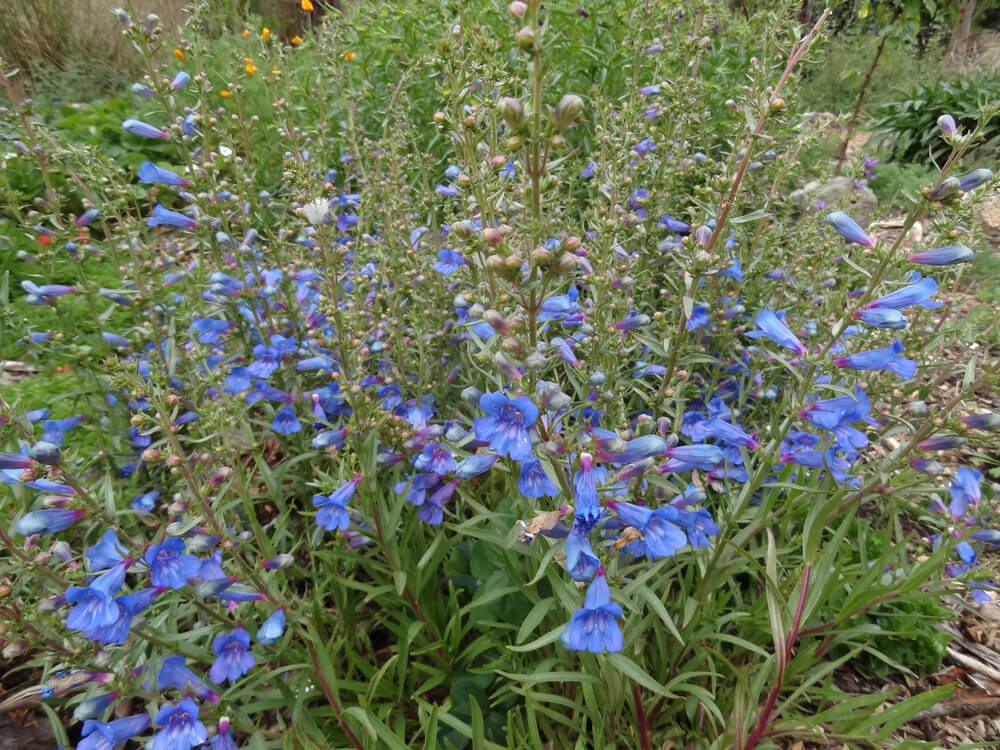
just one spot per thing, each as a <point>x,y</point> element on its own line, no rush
<point>919,293</point>
<point>47,521</point>
<point>880,359</point>
<point>181,729</point>
<point>533,481</point>
<point>233,658</point>
<point>848,229</point>
<point>965,490</point>
<point>144,129</point>
<point>594,626</point>
<point>506,429</point>
<point>151,174</point>
<point>585,488</point>
<point>167,218</point>
<point>882,318</point>
<point>771,326</point>
<point>581,562</point>
<point>987,421</point>
<point>475,465</point>
<point>100,736</point>
<point>272,628</point>
<point>944,256</point>
<point>688,457</point>
<point>169,566</point>
<point>95,606</point>
<point>660,530</point>
<point>333,514</point>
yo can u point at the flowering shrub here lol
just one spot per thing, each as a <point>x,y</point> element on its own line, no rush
<point>536,421</point>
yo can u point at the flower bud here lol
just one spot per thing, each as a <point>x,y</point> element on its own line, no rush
<point>947,125</point>
<point>525,38</point>
<point>513,112</point>
<point>494,263</point>
<point>517,9</point>
<point>497,320</point>
<point>566,263</point>
<point>492,236</point>
<point>569,110</point>
<point>945,189</point>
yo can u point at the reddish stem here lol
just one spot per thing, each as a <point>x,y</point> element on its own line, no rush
<point>641,716</point>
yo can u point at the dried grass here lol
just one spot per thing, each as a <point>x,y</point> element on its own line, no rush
<point>40,36</point>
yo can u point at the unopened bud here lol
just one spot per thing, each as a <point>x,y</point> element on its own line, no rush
<point>513,113</point>
<point>517,9</point>
<point>569,110</point>
<point>525,38</point>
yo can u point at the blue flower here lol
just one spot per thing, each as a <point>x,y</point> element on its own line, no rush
<point>882,318</point>
<point>165,217</point>
<point>174,673</point>
<point>533,481</point>
<point>770,325</point>
<point>333,514</point>
<point>587,509</point>
<point>223,740</point>
<point>435,459</point>
<point>180,80</point>
<point>109,551</point>
<point>181,729</point>
<point>880,359</point>
<point>688,457</point>
<point>965,490</point>
<point>272,628</point>
<point>100,736</point>
<point>285,422</point>
<point>944,256</point>
<point>475,465</point>
<point>169,567</point>
<point>233,658</point>
<point>144,503</point>
<point>143,129</point>
<point>635,450</point>
<point>848,229</point>
<point>660,528</point>
<point>919,293</point>
<point>985,421</point>
<point>94,706</point>
<point>95,604</point>
<point>581,562</point>
<point>506,429</point>
<point>594,626</point>
<point>974,179</point>
<point>128,607</point>
<point>48,521</point>
<point>448,262</point>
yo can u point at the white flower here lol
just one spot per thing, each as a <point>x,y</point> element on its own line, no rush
<point>315,211</point>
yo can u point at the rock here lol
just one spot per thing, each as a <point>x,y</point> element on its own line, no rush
<point>988,213</point>
<point>837,192</point>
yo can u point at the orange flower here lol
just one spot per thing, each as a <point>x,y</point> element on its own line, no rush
<point>307,6</point>
<point>224,94</point>
<point>296,39</point>
<point>246,33</point>
<point>250,68</point>
<point>275,72</point>
<point>350,56</point>
<point>179,54</point>
<point>266,34</point>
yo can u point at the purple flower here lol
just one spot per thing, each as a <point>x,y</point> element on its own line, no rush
<point>180,80</point>
<point>848,229</point>
<point>974,179</point>
<point>587,507</point>
<point>333,514</point>
<point>181,729</point>
<point>223,740</point>
<point>169,566</point>
<point>880,359</point>
<point>47,521</point>
<point>151,174</point>
<point>446,191</point>
<point>165,217</point>
<point>506,429</point>
<point>233,658</point>
<point>87,216</point>
<point>720,429</point>
<point>947,125</point>
<point>661,534</point>
<point>143,129</point>
<point>944,256</point>
<point>770,325</point>
<point>589,171</point>
<point>272,628</point>
<point>987,421</point>
<point>651,90</point>
<point>594,626</point>
<point>941,443</point>
<point>914,294</point>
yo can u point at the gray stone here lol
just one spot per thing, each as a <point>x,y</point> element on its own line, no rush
<point>837,192</point>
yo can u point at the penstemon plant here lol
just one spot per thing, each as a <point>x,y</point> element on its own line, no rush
<point>478,388</point>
